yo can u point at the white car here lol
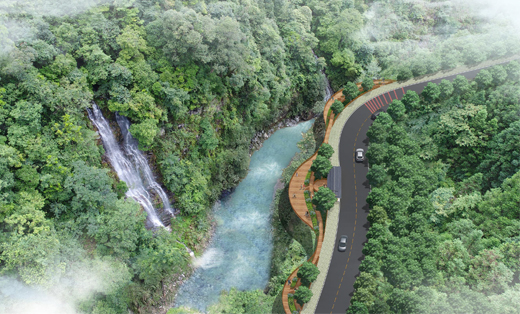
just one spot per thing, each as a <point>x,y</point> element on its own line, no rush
<point>342,246</point>
<point>360,154</point>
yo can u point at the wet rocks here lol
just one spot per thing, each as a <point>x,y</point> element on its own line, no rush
<point>261,136</point>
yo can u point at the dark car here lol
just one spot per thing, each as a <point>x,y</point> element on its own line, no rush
<point>376,114</point>
<point>360,154</point>
<point>342,246</point>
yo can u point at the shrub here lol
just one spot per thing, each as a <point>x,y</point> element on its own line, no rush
<point>367,84</point>
<point>404,74</point>
<point>337,106</point>
<point>307,273</point>
<point>350,91</point>
<point>321,167</point>
<point>326,150</point>
<point>303,295</point>
<point>324,199</point>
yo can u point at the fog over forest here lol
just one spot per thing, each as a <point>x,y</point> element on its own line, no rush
<point>63,286</point>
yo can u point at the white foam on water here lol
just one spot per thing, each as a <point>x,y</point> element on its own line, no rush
<point>211,258</point>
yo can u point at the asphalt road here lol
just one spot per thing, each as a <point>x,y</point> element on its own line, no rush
<point>344,266</point>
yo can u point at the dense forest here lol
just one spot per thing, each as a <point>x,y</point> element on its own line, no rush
<point>444,231</point>
<point>197,79</point>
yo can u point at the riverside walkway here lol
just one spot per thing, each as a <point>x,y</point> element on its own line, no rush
<point>297,190</point>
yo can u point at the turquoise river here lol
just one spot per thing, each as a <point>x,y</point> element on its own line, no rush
<point>240,253</point>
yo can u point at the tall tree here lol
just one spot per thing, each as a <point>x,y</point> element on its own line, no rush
<point>308,273</point>
<point>324,199</point>
<point>321,167</point>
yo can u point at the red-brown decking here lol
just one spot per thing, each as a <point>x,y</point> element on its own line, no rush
<point>297,196</point>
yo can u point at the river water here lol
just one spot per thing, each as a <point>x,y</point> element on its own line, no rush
<point>240,253</point>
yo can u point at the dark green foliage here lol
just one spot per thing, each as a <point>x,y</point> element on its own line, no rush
<point>367,84</point>
<point>377,175</point>
<point>357,308</point>
<point>431,92</point>
<point>321,167</point>
<point>404,74</point>
<point>324,199</point>
<point>444,200</point>
<point>411,102</point>
<point>121,188</point>
<point>208,139</point>
<point>326,150</point>
<point>303,295</point>
<point>308,272</point>
<point>461,85</point>
<point>484,79</point>
<point>337,106</point>
<point>446,89</point>
<point>350,91</point>
<point>503,157</point>
<point>396,110</point>
<point>378,215</point>
<point>242,302</point>
<point>378,131</point>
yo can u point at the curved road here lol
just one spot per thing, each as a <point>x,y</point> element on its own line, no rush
<point>344,266</point>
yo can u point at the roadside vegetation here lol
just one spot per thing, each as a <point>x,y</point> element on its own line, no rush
<point>444,221</point>
<point>197,79</point>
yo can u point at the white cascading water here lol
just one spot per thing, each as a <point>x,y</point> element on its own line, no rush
<point>128,171</point>
<point>328,90</point>
<point>131,145</point>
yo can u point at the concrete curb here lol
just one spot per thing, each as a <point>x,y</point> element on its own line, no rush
<point>329,240</point>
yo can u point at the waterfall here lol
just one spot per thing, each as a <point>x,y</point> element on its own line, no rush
<point>130,145</point>
<point>328,90</point>
<point>132,167</point>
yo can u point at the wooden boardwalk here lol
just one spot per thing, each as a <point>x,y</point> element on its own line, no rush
<point>297,188</point>
<point>297,197</point>
<point>314,259</point>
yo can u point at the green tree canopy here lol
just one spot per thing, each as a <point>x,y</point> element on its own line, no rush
<point>446,89</point>
<point>321,167</point>
<point>350,91</point>
<point>357,308</point>
<point>303,295</point>
<point>504,155</point>
<point>367,84</point>
<point>396,110</point>
<point>431,93</point>
<point>337,107</point>
<point>411,101</point>
<point>326,150</point>
<point>308,272</point>
<point>324,199</point>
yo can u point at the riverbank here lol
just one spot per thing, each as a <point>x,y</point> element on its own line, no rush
<point>261,136</point>
<point>293,241</point>
<point>240,253</point>
<point>181,226</point>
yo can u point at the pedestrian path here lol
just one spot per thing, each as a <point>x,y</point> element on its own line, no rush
<point>297,190</point>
